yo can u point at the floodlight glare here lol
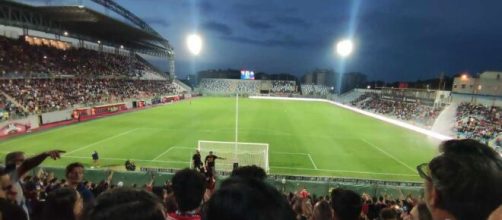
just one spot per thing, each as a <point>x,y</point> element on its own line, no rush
<point>194,44</point>
<point>344,48</point>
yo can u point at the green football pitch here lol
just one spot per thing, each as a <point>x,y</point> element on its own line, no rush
<point>305,138</point>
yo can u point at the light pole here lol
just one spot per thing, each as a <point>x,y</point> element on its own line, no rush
<point>344,49</point>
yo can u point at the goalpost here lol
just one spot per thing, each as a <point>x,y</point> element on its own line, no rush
<point>244,154</point>
<point>235,152</point>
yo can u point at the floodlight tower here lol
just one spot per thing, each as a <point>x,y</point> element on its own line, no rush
<point>343,49</point>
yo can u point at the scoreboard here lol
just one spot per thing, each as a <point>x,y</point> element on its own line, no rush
<point>247,74</point>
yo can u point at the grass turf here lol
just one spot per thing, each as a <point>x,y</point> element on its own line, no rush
<point>325,140</point>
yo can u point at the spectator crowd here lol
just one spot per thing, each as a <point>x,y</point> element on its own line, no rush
<point>461,183</point>
<point>480,122</point>
<point>20,59</point>
<point>402,110</point>
<point>314,90</point>
<point>44,95</point>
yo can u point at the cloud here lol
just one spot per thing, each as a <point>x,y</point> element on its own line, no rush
<point>257,25</point>
<point>217,27</point>
<point>157,21</point>
<point>286,42</point>
<point>293,21</point>
<point>206,7</point>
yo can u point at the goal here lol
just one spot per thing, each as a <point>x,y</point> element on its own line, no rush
<point>243,153</point>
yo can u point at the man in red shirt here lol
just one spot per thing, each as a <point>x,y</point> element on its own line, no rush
<point>189,187</point>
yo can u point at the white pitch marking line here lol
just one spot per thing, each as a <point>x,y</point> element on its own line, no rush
<point>343,171</point>
<point>162,154</point>
<point>97,142</point>
<point>123,159</point>
<point>312,161</point>
<point>277,152</point>
<point>389,155</point>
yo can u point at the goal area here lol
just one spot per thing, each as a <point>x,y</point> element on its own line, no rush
<point>235,152</point>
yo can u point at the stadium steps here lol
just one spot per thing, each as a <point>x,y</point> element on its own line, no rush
<point>182,85</point>
<point>13,100</point>
<point>446,120</point>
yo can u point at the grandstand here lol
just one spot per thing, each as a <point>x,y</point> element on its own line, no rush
<point>78,80</point>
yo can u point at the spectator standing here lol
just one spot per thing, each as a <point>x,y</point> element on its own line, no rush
<point>463,182</point>
<point>346,204</point>
<point>75,175</point>
<point>63,204</point>
<point>19,165</point>
<point>189,187</point>
<point>9,210</point>
<point>126,204</point>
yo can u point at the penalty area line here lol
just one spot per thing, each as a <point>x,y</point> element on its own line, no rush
<point>388,155</point>
<point>312,161</point>
<point>123,159</point>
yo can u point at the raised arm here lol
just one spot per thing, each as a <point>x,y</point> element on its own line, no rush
<point>36,160</point>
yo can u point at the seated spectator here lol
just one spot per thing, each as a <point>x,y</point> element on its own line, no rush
<point>189,187</point>
<point>322,211</point>
<point>75,175</point>
<point>247,199</point>
<point>9,210</point>
<point>346,204</point>
<point>63,204</point>
<point>464,181</point>
<point>125,204</point>
<point>250,172</point>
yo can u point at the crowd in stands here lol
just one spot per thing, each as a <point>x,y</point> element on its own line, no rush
<point>402,110</point>
<point>44,95</point>
<point>480,122</point>
<point>20,59</point>
<point>249,87</point>
<point>461,183</point>
<point>314,90</point>
<point>283,86</point>
<point>220,86</point>
<point>9,110</point>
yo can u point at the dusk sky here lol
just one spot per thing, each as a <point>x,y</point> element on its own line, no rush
<point>395,39</point>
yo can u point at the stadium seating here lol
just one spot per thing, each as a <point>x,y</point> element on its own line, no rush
<point>415,113</point>
<point>480,122</point>
<point>314,90</point>
<point>20,59</point>
<point>44,95</point>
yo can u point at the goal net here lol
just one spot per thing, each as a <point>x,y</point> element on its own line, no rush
<point>243,153</point>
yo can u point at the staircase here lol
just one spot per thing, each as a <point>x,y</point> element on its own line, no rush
<point>13,100</point>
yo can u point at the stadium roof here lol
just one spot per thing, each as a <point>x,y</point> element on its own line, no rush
<point>85,23</point>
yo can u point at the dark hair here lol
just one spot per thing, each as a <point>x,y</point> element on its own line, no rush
<point>467,177</point>
<point>72,166</point>
<point>189,187</point>
<point>59,204</point>
<point>125,204</point>
<point>346,204</point>
<point>388,213</point>
<point>247,199</point>
<point>423,212</point>
<point>322,211</point>
<point>250,172</point>
<point>11,157</point>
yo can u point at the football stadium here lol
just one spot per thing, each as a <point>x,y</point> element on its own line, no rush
<point>108,112</point>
